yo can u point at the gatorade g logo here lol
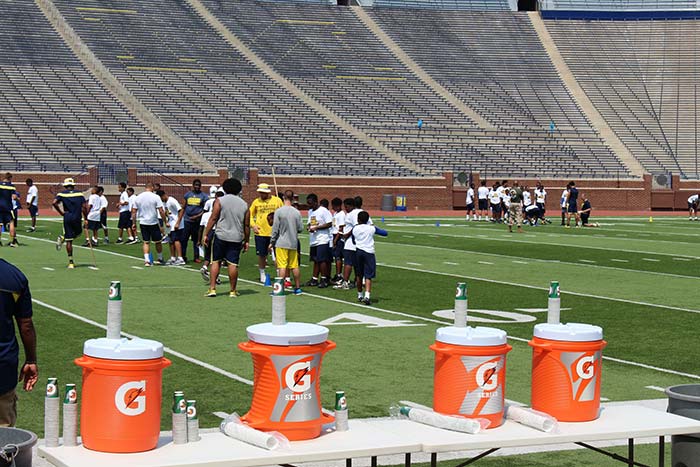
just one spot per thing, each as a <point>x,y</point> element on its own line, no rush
<point>72,396</point>
<point>487,376</point>
<point>191,412</point>
<point>585,367</point>
<point>460,292</point>
<point>277,288</point>
<point>298,376</point>
<point>130,398</point>
<point>51,390</point>
<point>112,292</point>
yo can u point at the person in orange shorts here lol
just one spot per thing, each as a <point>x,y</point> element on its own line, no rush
<point>286,227</point>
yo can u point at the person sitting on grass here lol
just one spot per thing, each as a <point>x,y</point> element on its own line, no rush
<point>365,261</point>
<point>585,213</point>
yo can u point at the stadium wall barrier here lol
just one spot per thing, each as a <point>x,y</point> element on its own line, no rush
<point>648,15</point>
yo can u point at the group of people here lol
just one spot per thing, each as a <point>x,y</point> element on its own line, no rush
<point>516,205</point>
<point>10,206</point>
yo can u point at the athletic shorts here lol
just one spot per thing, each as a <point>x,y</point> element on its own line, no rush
<point>176,235</point>
<point>94,225</point>
<point>207,249</point>
<point>151,233</point>
<point>33,210</point>
<point>160,223</point>
<point>540,206</point>
<point>496,208</point>
<point>229,251</point>
<point>572,208</point>
<point>320,253</point>
<point>692,206</point>
<point>470,207</point>
<point>286,258</point>
<point>483,204</point>
<point>103,219</point>
<point>584,218</point>
<point>6,217</point>
<point>338,249</point>
<point>8,408</point>
<point>124,220</point>
<point>366,264</point>
<point>262,245</point>
<point>72,229</point>
<point>349,257</point>
<point>15,216</point>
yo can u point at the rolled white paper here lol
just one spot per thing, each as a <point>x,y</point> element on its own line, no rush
<point>532,418</point>
<point>463,425</point>
<point>249,435</point>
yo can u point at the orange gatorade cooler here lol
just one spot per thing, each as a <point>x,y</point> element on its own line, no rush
<point>286,382</point>
<point>566,370</point>
<point>122,387</point>
<point>470,372</point>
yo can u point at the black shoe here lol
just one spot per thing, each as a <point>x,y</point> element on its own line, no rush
<point>312,283</point>
<point>119,240</point>
<point>366,301</point>
<point>323,284</point>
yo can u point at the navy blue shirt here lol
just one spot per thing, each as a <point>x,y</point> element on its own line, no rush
<point>73,201</point>
<point>573,196</point>
<point>7,189</point>
<point>194,203</point>
<point>15,302</point>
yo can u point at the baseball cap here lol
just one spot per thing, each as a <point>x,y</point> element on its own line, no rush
<point>212,191</point>
<point>264,188</point>
<point>68,182</point>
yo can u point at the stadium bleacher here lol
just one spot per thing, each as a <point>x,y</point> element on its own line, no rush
<point>618,5</point>
<point>443,4</point>
<point>54,116</point>
<point>211,96</point>
<point>642,77</point>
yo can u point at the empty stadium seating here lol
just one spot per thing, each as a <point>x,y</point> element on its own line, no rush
<point>54,116</point>
<point>642,77</point>
<point>211,96</point>
<point>443,4</point>
<point>616,5</point>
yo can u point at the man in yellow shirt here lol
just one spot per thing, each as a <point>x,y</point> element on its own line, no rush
<point>263,205</point>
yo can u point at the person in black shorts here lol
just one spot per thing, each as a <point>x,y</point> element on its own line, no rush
<point>572,205</point>
<point>7,212</point>
<point>71,205</point>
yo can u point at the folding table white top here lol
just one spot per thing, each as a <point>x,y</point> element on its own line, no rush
<point>217,450</point>
<point>615,422</point>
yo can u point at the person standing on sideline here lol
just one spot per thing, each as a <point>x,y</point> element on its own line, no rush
<point>94,208</point>
<point>515,213</point>
<point>146,208</point>
<point>540,200</point>
<point>175,226</point>
<point>103,213</point>
<point>338,241</point>
<point>365,261</point>
<point>133,238</point>
<point>693,202</point>
<point>124,213</point>
<point>286,227</point>
<point>208,206</point>
<point>231,217</point>
<point>470,202</point>
<point>7,216</point>
<point>563,202</point>
<point>572,205</point>
<point>194,208</point>
<point>319,226</point>
<point>261,206</point>
<point>32,202</point>
<point>15,306</point>
<point>71,205</point>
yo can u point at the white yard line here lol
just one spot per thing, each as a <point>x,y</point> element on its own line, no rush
<point>587,261</point>
<point>450,263</point>
<point>653,260</point>
<point>656,388</point>
<point>48,269</point>
<point>413,264</point>
<point>619,260</point>
<point>485,262</point>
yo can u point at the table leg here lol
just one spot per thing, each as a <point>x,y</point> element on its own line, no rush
<point>407,461</point>
<point>373,461</point>
<point>630,452</point>
<point>662,452</point>
<point>433,459</point>
<point>348,462</point>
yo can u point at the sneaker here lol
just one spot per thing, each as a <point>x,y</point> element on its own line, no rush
<point>119,240</point>
<point>147,264</point>
<point>197,260</point>
<point>323,284</point>
<point>31,229</point>
<point>312,283</point>
<point>345,285</point>
<point>262,277</point>
<point>171,262</point>
<point>359,299</point>
<point>366,301</point>
<point>210,293</point>
<point>71,265</point>
<point>179,262</point>
<point>205,273</point>
<point>160,262</point>
<point>234,294</point>
<point>59,243</point>
<point>14,243</point>
<point>297,291</point>
<point>105,241</point>
<point>287,285</point>
<point>133,242</point>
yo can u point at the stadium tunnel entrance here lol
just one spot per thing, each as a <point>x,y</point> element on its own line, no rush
<point>527,5</point>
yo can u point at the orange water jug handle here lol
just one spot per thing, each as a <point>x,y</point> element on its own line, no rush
<point>245,346</point>
<point>540,346</point>
<point>83,362</point>
<point>330,345</point>
<point>165,363</point>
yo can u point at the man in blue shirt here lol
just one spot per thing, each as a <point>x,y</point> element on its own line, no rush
<point>572,205</point>
<point>7,211</point>
<point>15,306</point>
<point>194,208</point>
<point>70,204</point>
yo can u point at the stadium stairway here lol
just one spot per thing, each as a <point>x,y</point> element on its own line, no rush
<point>594,117</point>
<point>295,91</point>
<point>119,91</point>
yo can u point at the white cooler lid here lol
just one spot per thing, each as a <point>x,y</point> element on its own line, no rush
<point>287,334</point>
<point>576,332</point>
<point>469,336</point>
<point>123,349</point>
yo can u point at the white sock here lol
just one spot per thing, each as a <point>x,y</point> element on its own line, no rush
<point>262,270</point>
<point>146,257</point>
<point>179,258</point>
<point>359,294</point>
<point>160,256</point>
<point>366,294</point>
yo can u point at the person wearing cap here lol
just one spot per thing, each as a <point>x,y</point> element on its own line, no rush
<point>15,306</point>
<point>194,208</point>
<point>71,205</point>
<point>263,205</point>
<point>7,213</point>
<point>232,219</point>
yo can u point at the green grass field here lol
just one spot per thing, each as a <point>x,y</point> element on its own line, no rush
<point>636,279</point>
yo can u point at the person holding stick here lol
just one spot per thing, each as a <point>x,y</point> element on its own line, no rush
<point>263,205</point>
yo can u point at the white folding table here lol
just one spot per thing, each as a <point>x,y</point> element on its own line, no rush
<point>615,422</point>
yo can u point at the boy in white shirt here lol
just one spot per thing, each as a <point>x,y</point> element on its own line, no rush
<point>483,195</point>
<point>103,213</point>
<point>205,250</point>
<point>693,202</point>
<point>133,238</point>
<point>147,206</point>
<point>365,260</point>
<point>540,200</point>
<point>470,202</point>
<point>32,202</point>
<point>175,225</point>
<point>337,242</point>
<point>93,217</point>
<point>124,222</point>
<point>319,224</point>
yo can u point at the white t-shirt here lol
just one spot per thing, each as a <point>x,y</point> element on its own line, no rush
<point>364,237</point>
<point>33,192</point>
<point>338,220</point>
<point>105,203</point>
<point>564,197</point>
<point>483,192</point>
<point>350,222</point>
<point>505,196</point>
<point>540,195</point>
<point>501,190</point>
<point>147,204</point>
<point>132,202</point>
<point>693,199</point>
<point>95,205</point>
<point>494,197</point>
<point>172,208</point>
<point>470,196</point>
<point>123,198</point>
<point>320,216</point>
<point>208,206</point>
<point>527,199</point>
